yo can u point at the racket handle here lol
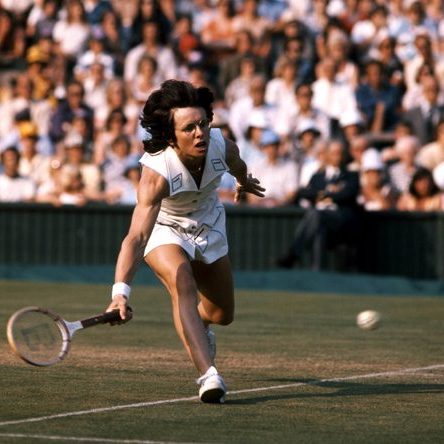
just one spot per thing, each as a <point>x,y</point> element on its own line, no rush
<point>104,318</point>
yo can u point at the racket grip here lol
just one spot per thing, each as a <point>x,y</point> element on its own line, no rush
<point>104,318</point>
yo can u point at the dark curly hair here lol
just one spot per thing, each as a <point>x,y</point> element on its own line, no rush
<point>157,118</point>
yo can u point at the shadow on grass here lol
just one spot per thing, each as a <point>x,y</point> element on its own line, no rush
<point>344,389</point>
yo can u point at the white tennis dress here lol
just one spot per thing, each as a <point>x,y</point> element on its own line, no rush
<point>191,216</point>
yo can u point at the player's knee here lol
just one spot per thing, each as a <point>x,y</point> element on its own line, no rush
<point>222,317</point>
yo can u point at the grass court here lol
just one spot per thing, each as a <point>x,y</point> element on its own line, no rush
<point>297,367</point>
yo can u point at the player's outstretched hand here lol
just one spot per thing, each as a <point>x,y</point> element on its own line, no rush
<point>252,185</point>
<point>120,303</point>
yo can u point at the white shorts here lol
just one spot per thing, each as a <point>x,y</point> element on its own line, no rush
<point>202,243</point>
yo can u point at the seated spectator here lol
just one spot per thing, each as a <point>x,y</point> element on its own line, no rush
<point>146,80</point>
<point>332,193</point>
<point>95,84</point>
<point>71,33</point>
<point>304,152</point>
<point>351,125</point>
<point>229,67</point>
<point>124,192</point>
<point>401,172</point>
<point>385,52</point>
<point>116,161</point>
<point>277,175</point>
<point>423,194</point>
<point>378,101</point>
<point>32,164</point>
<point>218,33</point>
<point>12,41</point>
<point>357,147</point>
<point>329,95</point>
<point>72,187</point>
<point>115,126</point>
<point>338,48</point>
<point>425,117</point>
<point>64,113</point>
<point>280,89</point>
<point>117,98</point>
<point>50,189</point>
<point>13,186</point>
<point>432,154</point>
<point>249,19</point>
<point>95,53</point>
<point>413,94</point>
<point>151,45</point>
<point>375,193</point>
<point>245,106</point>
<point>288,120</point>
<point>239,87</point>
<point>75,158</point>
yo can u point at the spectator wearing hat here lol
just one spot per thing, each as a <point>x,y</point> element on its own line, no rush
<point>32,164</point>
<point>375,193</point>
<point>37,60</point>
<point>333,215</point>
<point>401,172</point>
<point>13,186</point>
<point>351,125</point>
<point>277,175</point>
<point>75,157</point>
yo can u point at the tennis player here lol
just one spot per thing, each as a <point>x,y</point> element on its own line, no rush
<point>178,224</point>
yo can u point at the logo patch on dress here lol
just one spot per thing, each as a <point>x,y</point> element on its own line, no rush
<point>218,165</point>
<point>176,183</point>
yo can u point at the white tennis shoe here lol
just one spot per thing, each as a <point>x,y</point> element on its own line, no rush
<point>211,338</point>
<point>212,387</point>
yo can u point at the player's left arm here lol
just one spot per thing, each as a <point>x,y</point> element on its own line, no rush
<point>246,183</point>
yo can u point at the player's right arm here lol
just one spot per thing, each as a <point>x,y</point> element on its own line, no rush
<point>151,190</point>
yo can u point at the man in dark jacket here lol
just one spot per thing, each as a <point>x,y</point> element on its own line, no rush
<point>332,215</point>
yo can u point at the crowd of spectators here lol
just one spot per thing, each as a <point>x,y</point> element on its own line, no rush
<point>290,78</point>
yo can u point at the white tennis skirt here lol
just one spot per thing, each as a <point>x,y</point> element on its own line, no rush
<point>201,242</point>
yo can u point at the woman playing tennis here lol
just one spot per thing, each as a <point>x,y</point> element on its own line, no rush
<point>178,224</point>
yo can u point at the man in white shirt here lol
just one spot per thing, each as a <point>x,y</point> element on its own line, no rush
<point>13,187</point>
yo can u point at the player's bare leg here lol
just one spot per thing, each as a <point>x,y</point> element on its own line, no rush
<point>171,264</point>
<point>215,285</point>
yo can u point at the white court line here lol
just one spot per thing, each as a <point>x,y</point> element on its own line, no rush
<point>80,439</point>
<point>235,392</point>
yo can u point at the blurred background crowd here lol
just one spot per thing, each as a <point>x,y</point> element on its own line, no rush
<point>300,85</point>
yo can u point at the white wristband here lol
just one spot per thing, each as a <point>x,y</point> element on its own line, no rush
<point>121,288</point>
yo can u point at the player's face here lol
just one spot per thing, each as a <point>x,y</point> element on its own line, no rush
<point>192,131</point>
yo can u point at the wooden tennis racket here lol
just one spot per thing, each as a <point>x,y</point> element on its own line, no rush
<point>41,337</point>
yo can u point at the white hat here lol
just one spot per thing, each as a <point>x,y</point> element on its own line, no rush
<point>350,117</point>
<point>371,160</point>
<point>307,125</point>
<point>73,138</point>
<point>438,175</point>
<point>257,119</point>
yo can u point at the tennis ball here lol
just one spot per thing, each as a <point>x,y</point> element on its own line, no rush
<point>368,319</point>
